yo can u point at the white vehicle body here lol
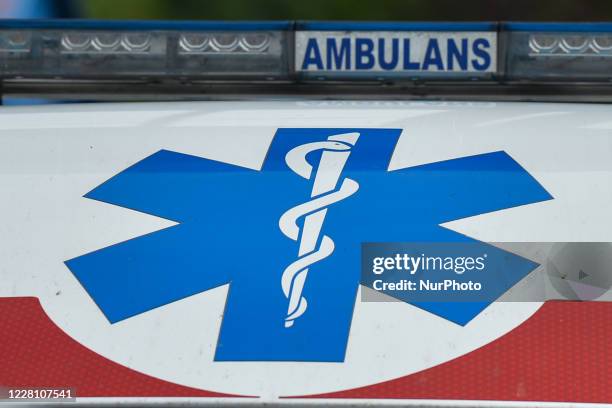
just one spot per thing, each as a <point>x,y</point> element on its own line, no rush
<point>52,156</point>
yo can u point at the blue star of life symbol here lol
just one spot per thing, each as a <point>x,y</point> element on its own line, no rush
<point>287,238</point>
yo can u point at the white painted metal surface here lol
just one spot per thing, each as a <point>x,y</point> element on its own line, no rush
<point>50,156</point>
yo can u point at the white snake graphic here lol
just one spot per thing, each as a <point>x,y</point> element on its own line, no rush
<point>336,150</point>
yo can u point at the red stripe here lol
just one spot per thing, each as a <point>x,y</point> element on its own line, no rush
<point>563,353</point>
<point>35,353</point>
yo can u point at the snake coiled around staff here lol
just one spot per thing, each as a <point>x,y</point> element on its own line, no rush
<point>295,274</point>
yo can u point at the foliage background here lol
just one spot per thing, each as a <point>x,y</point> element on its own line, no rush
<point>395,10</point>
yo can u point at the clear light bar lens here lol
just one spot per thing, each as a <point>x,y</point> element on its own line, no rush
<point>565,56</point>
<point>214,43</point>
<point>102,54</point>
<point>15,41</point>
<point>79,42</point>
<point>546,45</point>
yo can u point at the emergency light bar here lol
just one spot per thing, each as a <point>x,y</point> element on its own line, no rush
<point>562,52</point>
<point>303,52</point>
<point>108,50</point>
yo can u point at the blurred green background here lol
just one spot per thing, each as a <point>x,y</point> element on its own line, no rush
<point>396,10</point>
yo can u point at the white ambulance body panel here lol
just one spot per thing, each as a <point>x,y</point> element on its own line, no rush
<point>51,157</point>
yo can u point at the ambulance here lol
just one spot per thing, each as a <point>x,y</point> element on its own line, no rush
<point>306,213</point>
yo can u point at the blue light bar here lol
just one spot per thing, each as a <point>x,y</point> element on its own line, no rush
<point>304,52</point>
<point>558,27</point>
<point>393,26</point>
